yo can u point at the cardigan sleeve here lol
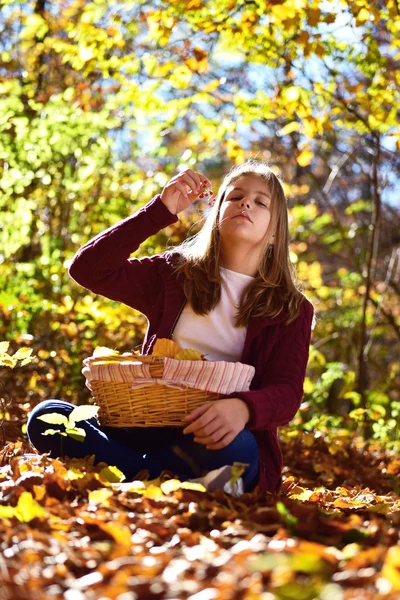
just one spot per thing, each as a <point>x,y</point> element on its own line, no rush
<point>279,397</point>
<point>103,265</point>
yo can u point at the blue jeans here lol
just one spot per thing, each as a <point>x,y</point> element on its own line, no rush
<point>133,449</point>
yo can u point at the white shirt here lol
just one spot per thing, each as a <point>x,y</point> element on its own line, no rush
<point>214,335</point>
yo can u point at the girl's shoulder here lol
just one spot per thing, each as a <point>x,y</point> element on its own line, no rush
<point>307,310</point>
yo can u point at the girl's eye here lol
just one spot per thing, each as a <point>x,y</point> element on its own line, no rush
<point>258,201</point>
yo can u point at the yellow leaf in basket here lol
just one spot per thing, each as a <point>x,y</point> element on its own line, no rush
<point>104,351</point>
<point>188,354</point>
<point>165,347</point>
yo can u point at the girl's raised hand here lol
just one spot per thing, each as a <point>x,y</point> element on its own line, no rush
<point>183,189</point>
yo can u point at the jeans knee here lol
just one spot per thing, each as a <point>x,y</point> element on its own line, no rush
<point>43,408</point>
<point>49,406</point>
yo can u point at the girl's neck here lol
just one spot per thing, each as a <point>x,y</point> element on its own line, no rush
<point>237,265</point>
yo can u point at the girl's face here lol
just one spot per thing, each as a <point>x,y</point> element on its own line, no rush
<point>249,193</point>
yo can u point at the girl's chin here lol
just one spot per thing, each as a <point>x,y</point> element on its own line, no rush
<point>238,236</point>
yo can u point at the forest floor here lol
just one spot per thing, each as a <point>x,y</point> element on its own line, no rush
<point>72,530</point>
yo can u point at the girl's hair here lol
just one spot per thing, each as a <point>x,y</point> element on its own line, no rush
<point>275,283</point>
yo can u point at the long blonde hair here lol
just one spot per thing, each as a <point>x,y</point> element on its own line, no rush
<point>275,284</point>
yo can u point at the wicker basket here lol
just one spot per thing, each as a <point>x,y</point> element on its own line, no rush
<point>152,405</point>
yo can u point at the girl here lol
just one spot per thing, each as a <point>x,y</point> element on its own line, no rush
<point>229,292</point>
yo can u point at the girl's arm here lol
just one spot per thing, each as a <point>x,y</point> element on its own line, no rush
<point>103,265</point>
<point>279,398</point>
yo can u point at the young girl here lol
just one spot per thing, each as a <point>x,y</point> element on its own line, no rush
<point>229,292</point>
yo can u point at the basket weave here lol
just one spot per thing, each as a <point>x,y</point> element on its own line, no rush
<point>153,405</point>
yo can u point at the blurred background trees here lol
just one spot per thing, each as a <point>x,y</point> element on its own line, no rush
<point>102,102</point>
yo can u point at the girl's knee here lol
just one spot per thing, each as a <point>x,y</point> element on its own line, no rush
<point>49,406</point>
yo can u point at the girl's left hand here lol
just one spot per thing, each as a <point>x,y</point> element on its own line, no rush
<point>215,424</point>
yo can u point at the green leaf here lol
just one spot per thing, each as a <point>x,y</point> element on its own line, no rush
<point>238,469</point>
<point>54,419</point>
<point>53,432</point>
<point>286,514</point>
<point>77,433</point>
<point>112,474</point>
<point>360,206</point>
<point>83,413</point>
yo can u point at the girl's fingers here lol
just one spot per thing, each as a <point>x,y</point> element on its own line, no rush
<point>200,180</point>
<point>225,441</point>
<point>203,179</point>
<point>182,188</point>
<point>192,183</point>
<point>212,438</point>
<point>199,424</point>
<point>209,430</point>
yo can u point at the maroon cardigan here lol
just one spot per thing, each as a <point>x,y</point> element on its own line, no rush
<point>279,353</point>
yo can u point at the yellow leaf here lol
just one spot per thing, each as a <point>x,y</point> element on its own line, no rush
<point>171,485</point>
<point>165,347</point>
<point>153,491</point>
<point>282,12</point>
<point>304,158</point>
<point>4,347</point>
<point>163,70</point>
<point>35,26</point>
<point>39,491</point>
<point>104,351</point>
<point>7,361</point>
<point>234,151</point>
<point>289,128</point>
<point>112,474</point>
<point>7,512</point>
<point>189,485</point>
<point>181,77</point>
<point>308,439</point>
<point>188,354</point>
<point>100,496</point>
<point>28,509</point>
<point>120,533</point>
<point>74,474</point>
<point>199,62</point>
<point>22,353</point>
<point>213,85</point>
<point>303,496</point>
<point>83,412</point>
<point>309,386</point>
<point>86,53</point>
<point>137,486</point>
<point>362,16</point>
<point>72,329</point>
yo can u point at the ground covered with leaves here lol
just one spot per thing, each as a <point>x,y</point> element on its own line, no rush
<point>73,530</point>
